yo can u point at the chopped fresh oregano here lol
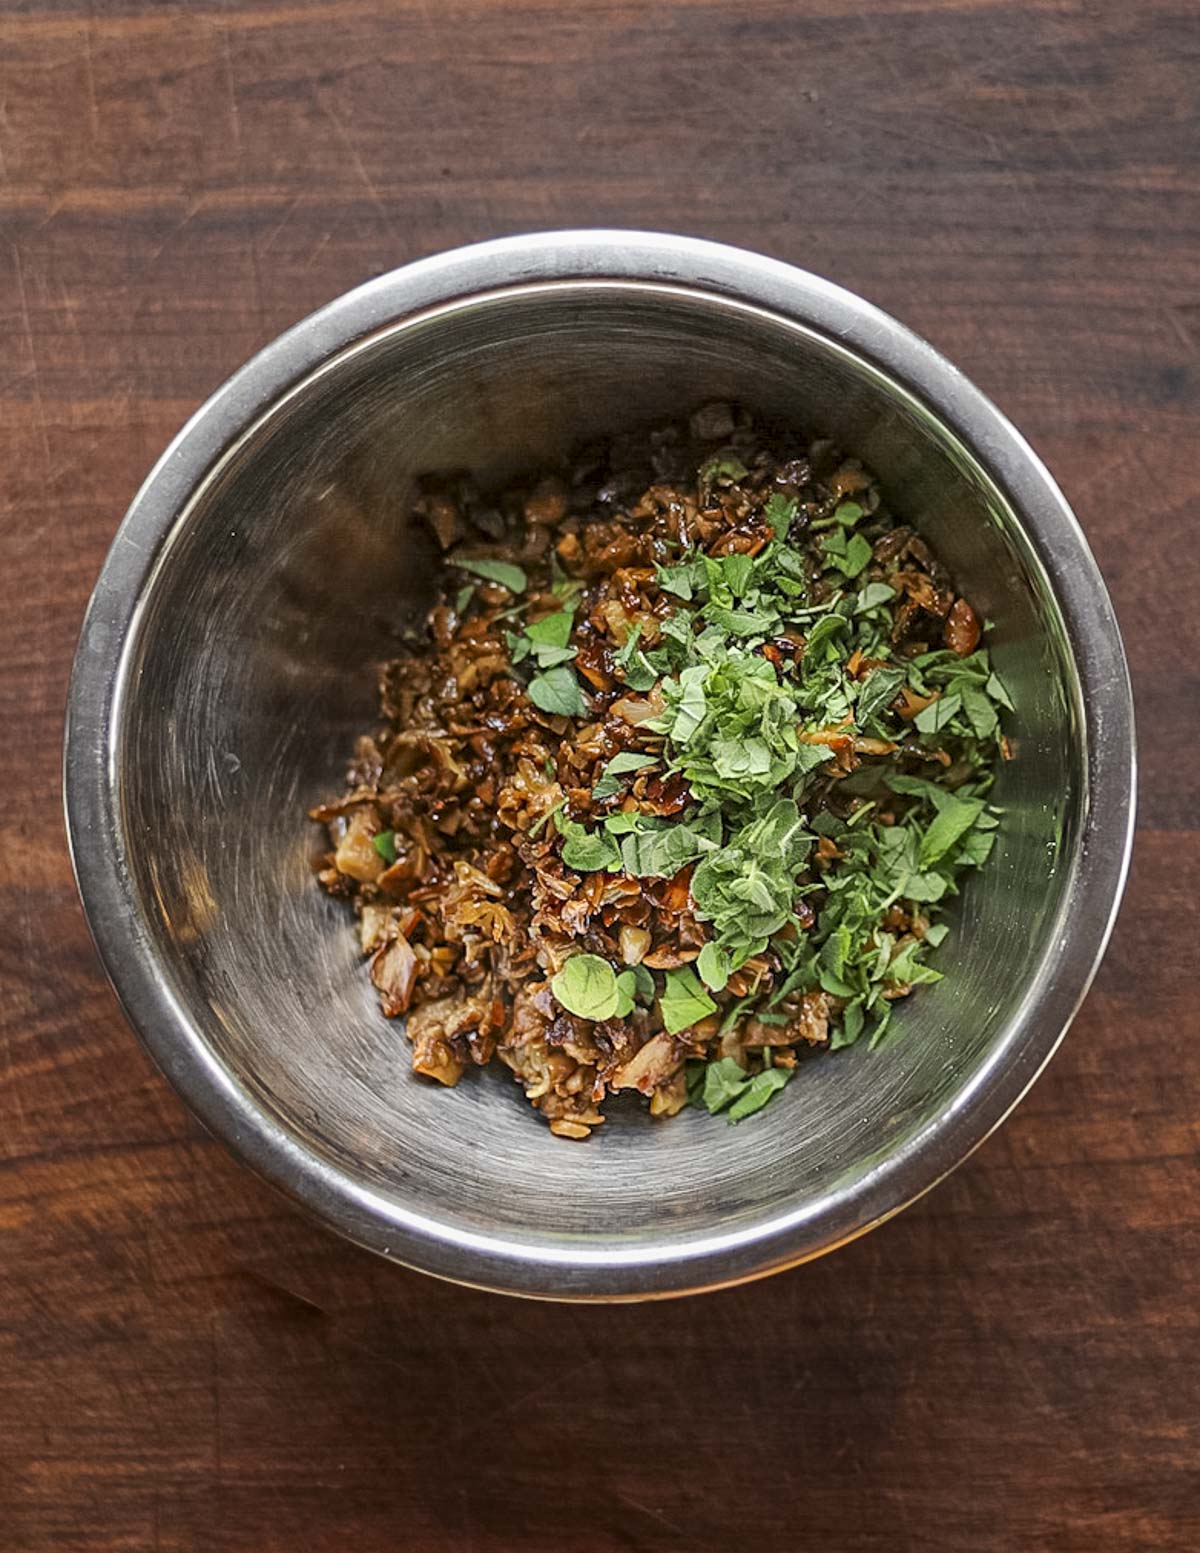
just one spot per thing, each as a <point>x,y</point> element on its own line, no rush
<point>684,1001</point>
<point>878,691</point>
<point>758,1091</point>
<point>713,966</point>
<point>621,765</point>
<point>587,851</point>
<point>557,691</point>
<point>955,816</point>
<point>506,573</point>
<point>938,714</point>
<point>636,669</point>
<point>553,630</point>
<point>724,1081</point>
<point>722,470</point>
<point>587,986</point>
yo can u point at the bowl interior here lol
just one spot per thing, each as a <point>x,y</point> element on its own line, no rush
<point>252,666</point>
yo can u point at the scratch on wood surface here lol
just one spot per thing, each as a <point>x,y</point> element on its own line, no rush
<point>194,208</point>
<point>351,150</point>
<point>90,73</point>
<point>215,1393</point>
<point>243,18</point>
<point>1097,131</point>
<point>52,211</point>
<point>556,1384</point>
<point>1128,455</point>
<point>292,206</point>
<point>315,254</point>
<point>235,116</point>
<point>468,1518</point>
<point>624,1497</point>
<point>14,1100</point>
<point>235,128</point>
<point>279,1288</point>
<point>427,15</point>
<point>1180,329</point>
<point>35,375</point>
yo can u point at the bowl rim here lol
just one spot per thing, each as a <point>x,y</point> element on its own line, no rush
<point>99,680</point>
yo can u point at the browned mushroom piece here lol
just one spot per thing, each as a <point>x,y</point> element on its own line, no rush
<point>962,629</point>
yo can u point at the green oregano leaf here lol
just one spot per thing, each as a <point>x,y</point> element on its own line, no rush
<point>713,966</point>
<point>557,691</point>
<point>621,765</point>
<point>504,572</point>
<point>684,1001</point>
<point>758,1091</point>
<point>938,713</point>
<point>587,986</point>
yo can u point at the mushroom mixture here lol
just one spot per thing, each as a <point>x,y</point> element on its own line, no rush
<point>674,787</point>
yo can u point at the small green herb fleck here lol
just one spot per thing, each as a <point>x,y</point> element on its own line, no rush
<point>644,988</point>
<point>626,992</point>
<point>938,713</point>
<point>684,1001</point>
<point>854,557</point>
<point>682,580</point>
<point>779,512</point>
<point>553,631</point>
<point>557,691</point>
<point>996,689</point>
<point>633,663</point>
<point>878,690</point>
<point>724,1081</point>
<point>980,712</point>
<point>851,1027</point>
<point>872,596</point>
<point>758,1091</point>
<point>587,986</point>
<point>587,852</point>
<point>713,966</point>
<point>722,470</point>
<point>620,765</point>
<point>504,572</point>
<point>519,647</point>
<point>823,634</point>
<point>954,818</point>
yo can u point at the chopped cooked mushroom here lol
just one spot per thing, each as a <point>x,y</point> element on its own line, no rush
<point>962,629</point>
<point>357,856</point>
<point>660,776</point>
<point>394,972</point>
<point>659,1060</point>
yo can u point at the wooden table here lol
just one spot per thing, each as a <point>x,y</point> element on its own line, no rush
<point>185,1364</point>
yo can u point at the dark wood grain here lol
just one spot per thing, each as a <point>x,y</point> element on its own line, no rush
<point>187,1365</point>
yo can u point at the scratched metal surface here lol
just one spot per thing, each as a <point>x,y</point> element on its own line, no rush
<point>190,1365</point>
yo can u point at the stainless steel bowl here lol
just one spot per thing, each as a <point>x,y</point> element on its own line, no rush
<point>226,664</point>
